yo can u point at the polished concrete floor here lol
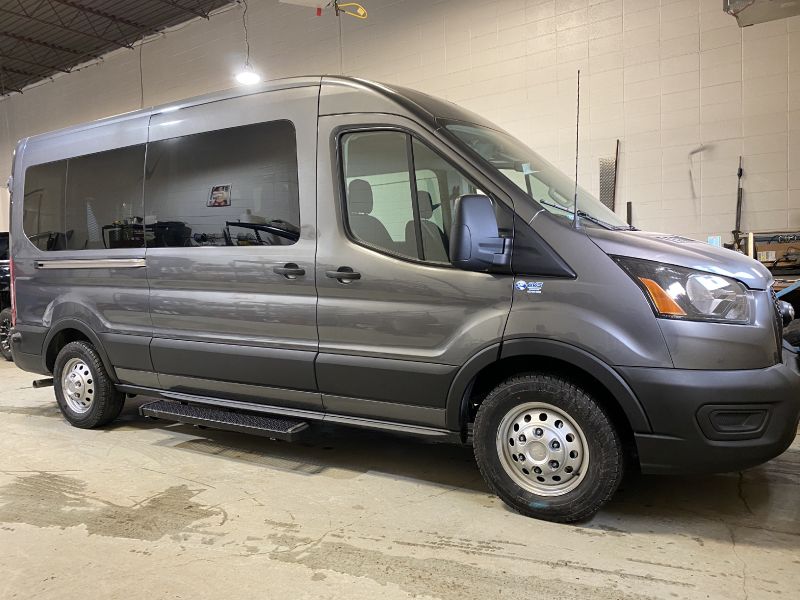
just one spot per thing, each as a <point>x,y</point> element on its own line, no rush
<point>146,509</point>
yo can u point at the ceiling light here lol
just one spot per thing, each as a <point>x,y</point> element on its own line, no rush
<point>248,76</point>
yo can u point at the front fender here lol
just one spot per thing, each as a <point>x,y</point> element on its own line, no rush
<point>457,401</point>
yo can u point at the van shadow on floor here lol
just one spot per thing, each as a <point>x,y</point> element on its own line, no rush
<point>327,450</point>
<point>763,501</point>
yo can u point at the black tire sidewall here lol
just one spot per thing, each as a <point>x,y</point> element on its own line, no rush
<point>606,459</point>
<point>107,402</point>
<point>5,315</point>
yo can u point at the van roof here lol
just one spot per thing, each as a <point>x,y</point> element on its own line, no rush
<point>420,105</point>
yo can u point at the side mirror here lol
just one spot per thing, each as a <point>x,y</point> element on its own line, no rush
<point>475,243</point>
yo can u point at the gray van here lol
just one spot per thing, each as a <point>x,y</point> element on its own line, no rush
<point>328,249</point>
<point>5,298</point>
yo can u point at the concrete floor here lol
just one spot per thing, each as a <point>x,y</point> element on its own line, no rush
<point>152,510</point>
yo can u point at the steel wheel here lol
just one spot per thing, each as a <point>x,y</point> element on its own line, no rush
<point>542,449</point>
<point>77,382</point>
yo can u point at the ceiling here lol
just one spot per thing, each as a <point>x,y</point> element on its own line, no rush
<point>39,38</point>
<point>750,12</point>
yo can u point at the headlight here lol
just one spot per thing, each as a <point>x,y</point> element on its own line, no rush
<point>680,293</point>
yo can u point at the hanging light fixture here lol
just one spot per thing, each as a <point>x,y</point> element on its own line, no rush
<point>248,75</point>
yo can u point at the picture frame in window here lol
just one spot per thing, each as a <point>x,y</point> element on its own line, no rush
<point>219,196</point>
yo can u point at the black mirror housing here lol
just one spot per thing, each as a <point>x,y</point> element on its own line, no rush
<point>475,242</point>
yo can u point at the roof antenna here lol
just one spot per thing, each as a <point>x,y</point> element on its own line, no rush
<point>577,149</point>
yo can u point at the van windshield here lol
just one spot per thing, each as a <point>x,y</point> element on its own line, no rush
<point>539,179</point>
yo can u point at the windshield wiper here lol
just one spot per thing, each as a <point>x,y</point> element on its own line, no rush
<point>584,215</point>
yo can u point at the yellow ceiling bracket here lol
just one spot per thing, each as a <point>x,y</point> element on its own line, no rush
<point>354,9</point>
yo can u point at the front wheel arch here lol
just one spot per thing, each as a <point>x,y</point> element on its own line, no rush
<point>492,365</point>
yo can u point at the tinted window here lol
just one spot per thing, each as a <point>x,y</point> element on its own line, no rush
<point>43,212</point>
<point>388,209</point>
<point>232,187</point>
<point>3,246</point>
<point>86,202</point>
<point>104,200</point>
<point>379,207</point>
<point>438,185</point>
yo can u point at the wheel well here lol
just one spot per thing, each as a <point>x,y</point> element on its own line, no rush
<point>492,375</point>
<point>61,339</point>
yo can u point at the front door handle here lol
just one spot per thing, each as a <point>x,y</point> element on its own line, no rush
<point>290,270</point>
<point>343,274</point>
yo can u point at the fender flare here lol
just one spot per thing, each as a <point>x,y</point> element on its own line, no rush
<point>597,368</point>
<point>457,396</point>
<point>89,333</point>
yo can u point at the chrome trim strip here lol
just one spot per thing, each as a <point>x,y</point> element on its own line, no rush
<point>102,263</point>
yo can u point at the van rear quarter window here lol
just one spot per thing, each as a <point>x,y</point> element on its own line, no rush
<point>43,215</point>
<point>86,202</point>
<point>104,200</point>
<point>230,187</point>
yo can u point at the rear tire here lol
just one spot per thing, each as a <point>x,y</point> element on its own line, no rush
<point>85,393</point>
<point>547,448</point>
<point>5,334</point>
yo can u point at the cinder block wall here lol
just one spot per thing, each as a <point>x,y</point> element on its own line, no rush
<point>667,77</point>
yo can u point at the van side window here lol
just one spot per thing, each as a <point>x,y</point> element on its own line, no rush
<point>104,207</point>
<point>231,187</point>
<point>390,210</point>
<point>43,215</point>
<point>376,167</point>
<point>439,183</point>
<point>86,202</point>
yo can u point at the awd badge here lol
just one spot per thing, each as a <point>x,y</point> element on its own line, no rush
<point>532,287</point>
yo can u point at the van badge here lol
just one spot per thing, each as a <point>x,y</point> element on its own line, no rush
<point>532,287</point>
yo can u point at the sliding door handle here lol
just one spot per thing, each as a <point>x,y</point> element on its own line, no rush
<point>290,270</point>
<point>343,274</point>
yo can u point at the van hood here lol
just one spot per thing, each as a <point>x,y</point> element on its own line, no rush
<point>684,252</point>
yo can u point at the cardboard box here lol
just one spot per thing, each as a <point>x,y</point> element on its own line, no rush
<point>786,253</point>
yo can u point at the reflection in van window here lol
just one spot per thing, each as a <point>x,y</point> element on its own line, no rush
<point>104,200</point>
<point>231,187</point>
<point>87,202</point>
<point>380,209</point>
<point>379,190</point>
<point>438,185</point>
<point>43,218</point>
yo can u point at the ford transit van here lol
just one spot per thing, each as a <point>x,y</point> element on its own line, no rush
<point>5,298</point>
<point>329,249</point>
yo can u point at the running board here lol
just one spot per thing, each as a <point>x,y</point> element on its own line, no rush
<point>296,414</point>
<point>281,428</point>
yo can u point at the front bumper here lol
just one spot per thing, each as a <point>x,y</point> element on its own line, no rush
<point>715,421</point>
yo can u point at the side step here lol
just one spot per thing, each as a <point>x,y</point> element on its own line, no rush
<point>281,428</point>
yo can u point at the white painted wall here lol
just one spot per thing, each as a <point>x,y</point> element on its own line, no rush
<point>666,77</point>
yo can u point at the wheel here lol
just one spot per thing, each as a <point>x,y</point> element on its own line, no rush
<point>85,393</point>
<point>547,448</point>
<point>5,333</point>
<point>792,333</point>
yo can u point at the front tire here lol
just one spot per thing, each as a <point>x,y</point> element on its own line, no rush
<point>5,334</point>
<point>547,448</point>
<point>85,393</point>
